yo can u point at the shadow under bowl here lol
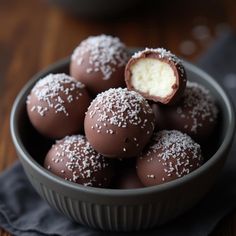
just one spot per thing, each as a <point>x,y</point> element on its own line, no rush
<point>114,209</point>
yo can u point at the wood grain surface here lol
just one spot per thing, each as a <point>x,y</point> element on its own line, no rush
<point>34,34</point>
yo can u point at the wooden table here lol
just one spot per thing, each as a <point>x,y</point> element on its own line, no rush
<point>34,35</point>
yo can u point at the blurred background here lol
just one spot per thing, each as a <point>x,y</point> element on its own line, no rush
<point>36,33</point>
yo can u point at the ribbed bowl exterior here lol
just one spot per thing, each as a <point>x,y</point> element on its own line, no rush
<point>121,213</point>
<point>125,210</point>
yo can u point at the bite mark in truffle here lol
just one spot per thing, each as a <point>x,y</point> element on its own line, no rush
<point>157,74</point>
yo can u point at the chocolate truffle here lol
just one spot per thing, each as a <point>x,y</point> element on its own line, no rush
<point>128,179</point>
<point>57,104</point>
<point>196,114</point>
<point>157,74</point>
<point>119,123</point>
<point>171,155</point>
<point>99,63</point>
<point>73,159</point>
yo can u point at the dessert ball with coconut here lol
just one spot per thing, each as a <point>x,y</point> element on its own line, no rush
<point>119,123</point>
<point>157,74</point>
<point>99,63</point>
<point>196,114</point>
<point>170,155</point>
<point>57,104</point>
<point>73,159</point>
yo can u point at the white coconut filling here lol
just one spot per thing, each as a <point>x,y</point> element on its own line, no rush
<point>153,76</point>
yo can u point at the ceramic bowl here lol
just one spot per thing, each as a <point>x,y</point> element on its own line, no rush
<point>114,209</point>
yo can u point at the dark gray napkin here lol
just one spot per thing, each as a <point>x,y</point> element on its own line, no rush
<point>23,212</point>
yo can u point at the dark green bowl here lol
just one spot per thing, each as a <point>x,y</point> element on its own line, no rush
<point>112,209</point>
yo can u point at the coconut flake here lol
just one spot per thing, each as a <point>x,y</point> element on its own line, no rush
<point>119,107</point>
<point>105,54</point>
<point>50,90</point>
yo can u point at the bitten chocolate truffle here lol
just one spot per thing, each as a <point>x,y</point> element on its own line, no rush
<point>99,63</point>
<point>73,159</point>
<point>57,104</point>
<point>171,155</point>
<point>119,123</point>
<point>157,74</point>
<point>196,114</point>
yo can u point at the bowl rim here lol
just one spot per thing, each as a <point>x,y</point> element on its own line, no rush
<point>120,192</point>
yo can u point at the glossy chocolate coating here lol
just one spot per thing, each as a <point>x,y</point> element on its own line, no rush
<point>171,155</point>
<point>128,179</point>
<point>57,104</point>
<point>99,63</point>
<point>196,114</point>
<point>73,159</point>
<point>119,123</point>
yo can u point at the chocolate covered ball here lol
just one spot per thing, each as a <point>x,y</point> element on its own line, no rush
<point>119,123</point>
<point>128,179</point>
<point>196,114</point>
<point>157,74</point>
<point>73,159</point>
<point>57,104</point>
<point>99,63</point>
<point>171,155</point>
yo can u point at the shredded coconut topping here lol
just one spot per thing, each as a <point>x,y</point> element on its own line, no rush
<point>120,107</point>
<point>106,53</point>
<point>55,90</point>
<point>176,151</point>
<point>162,53</point>
<point>81,159</point>
<point>199,105</point>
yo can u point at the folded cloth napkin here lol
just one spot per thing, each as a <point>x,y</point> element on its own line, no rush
<point>23,212</point>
